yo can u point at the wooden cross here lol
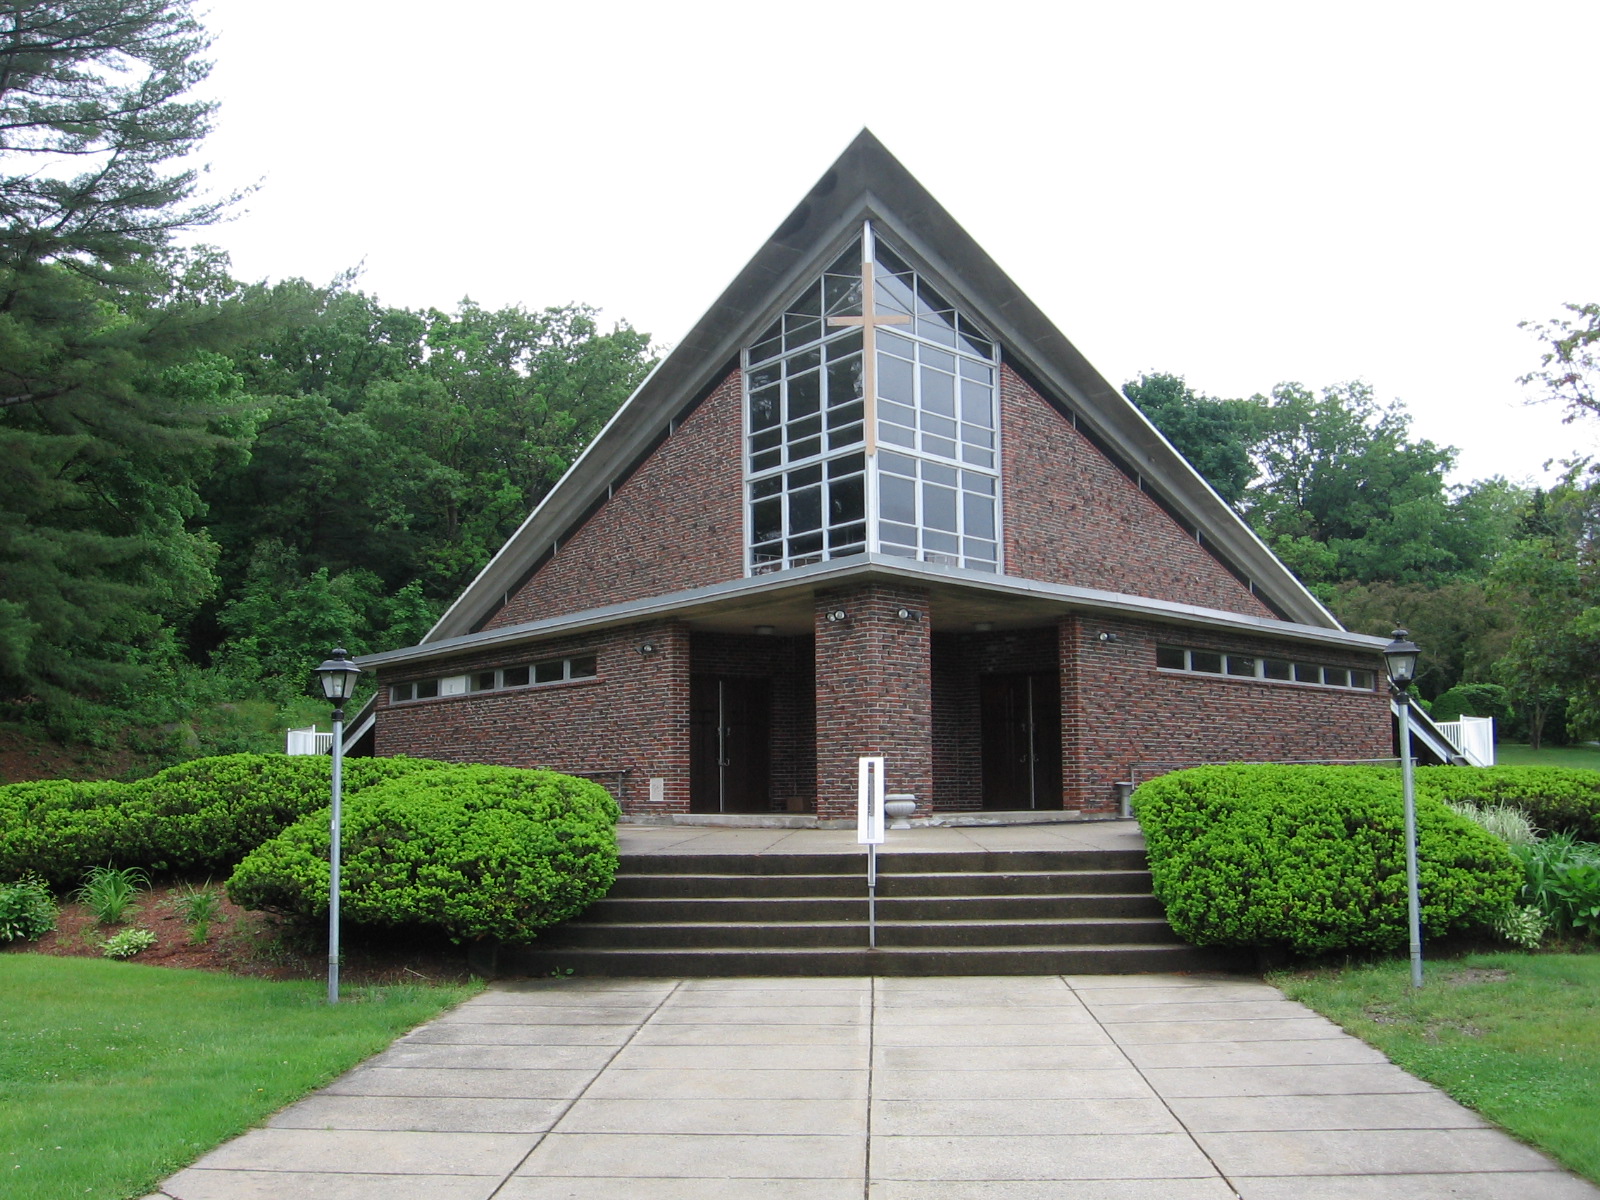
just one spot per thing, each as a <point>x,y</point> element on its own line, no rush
<point>869,322</point>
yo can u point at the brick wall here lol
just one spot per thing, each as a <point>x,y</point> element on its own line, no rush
<point>677,523</point>
<point>874,693</point>
<point>627,725</point>
<point>1122,718</point>
<point>1071,517</point>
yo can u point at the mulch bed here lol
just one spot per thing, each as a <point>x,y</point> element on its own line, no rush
<point>257,944</point>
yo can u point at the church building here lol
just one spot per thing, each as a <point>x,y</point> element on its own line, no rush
<point>876,504</point>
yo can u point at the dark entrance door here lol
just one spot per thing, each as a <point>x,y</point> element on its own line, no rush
<point>730,730</point>
<point>1021,733</point>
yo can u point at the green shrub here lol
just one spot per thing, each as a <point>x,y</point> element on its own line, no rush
<point>1562,880</point>
<point>474,851</point>
<point>27,910</point>
<point>1474,700</point>
<point>1556,799</point>
<point>1312,858</point>
<point>201,815</point>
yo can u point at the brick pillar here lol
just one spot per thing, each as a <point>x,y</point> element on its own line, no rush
<point>653,718</point>
<point>874,693</point>
<point>1075,775</point>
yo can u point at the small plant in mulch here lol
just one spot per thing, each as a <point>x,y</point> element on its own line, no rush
<point>110,891</point>
<point>27,910</point>
<point>198,908</point>
<point>128,943</point>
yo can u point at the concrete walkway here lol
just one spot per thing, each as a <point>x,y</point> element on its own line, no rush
<point>1164,1087</point>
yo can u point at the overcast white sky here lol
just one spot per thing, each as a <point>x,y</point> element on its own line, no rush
<point>1239,193</point>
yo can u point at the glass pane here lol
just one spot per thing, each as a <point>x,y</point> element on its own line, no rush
<point>887,259</point>
<point>1242,665</point>
<point>891,343</point>
<point>898,463</point>
<point>943,543</point>
<point>976,372</point>
<point>977,457</point>
<point>763,408</point>
<point>483,681</point>
<point>899,551</point>
<point>975,436</point>
<point>896,435</point>
<point>934,473</point>
<point>897,498</point>
<point>514,677</point>
<point>1205,660</point>
<point>894,293</point>
<point>844,380</point>
<point>977,402</point>
<point>800,331</point>
<point>810,302</point>
<point>1306,673</point>
<point>900,414</point>
<point>427,689</point>
<point>766,441</point>
<point>929,300</point>
<point>976,564</point>
<point>905,535</point>
<point>1169,657</point>
<point>842,295</point>
<point>847,500</point>
<point>761,377</point>
<point>809,543</point>
<point>809,448</point>
<point>849,260</point>
<point>766,487</point>
<point>936,328</point>
<point>583,668</point>
<point>895,379</point>
<point>1336,676</point>
<point>845,414</point>
<point>400,692</point>
<point>762,351</point>
<point>848,436</point>
<point>939,426</point>
<point>809,427</point>
<point>1361,679</point>
<point>939,360</point>
<point>979,513</point>
<point>766,520</point>
<point>805,510</point>
<point>973,344</point>
<point>805,394</point>
<point>847,465</point>
<point>1276,668</point>
<point>842,344</point>
<point>550,672</point>
<point>939,393</point>
<point>805,476</point>
<point>800,363</point>
<point>943,447</point>
<point>938,507</point>
<point>971,481</point>
<point>765,462</point>
<point>846,537</point>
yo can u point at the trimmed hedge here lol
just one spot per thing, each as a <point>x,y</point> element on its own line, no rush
<point>1312,858</point>
<point>1556,799</point>
<point>476,851</point>
<point>201,815</point>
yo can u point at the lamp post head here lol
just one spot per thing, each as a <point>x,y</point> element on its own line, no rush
<point>1401,657</point>
<point>338,676</point>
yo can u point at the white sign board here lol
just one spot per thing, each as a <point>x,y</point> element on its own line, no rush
<point>869,801</point>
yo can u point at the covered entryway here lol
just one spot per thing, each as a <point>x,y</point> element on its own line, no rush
<point>730,732</point>
<point>1020,717</point>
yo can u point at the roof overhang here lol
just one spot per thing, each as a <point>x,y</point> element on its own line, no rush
<point>868,182</point>
<point>958,599</point>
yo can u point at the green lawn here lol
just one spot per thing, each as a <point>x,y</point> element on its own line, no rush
<point>1514,1036</point>
<point>114,1075</point>
<point>1517,754</point>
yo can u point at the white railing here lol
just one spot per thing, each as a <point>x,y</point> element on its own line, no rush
<point>1473,736</point>
<point>309,741</point>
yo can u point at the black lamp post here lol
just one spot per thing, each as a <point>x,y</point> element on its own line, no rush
<point>1401,657</point>
<point>338,676</point>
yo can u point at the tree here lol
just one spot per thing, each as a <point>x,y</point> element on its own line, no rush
<point>1216,436</point>
<point>93,113</point>
<point>1569,371</point>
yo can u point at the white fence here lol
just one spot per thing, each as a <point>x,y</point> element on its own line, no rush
<point>309,741</point>
<point>1473,736</point>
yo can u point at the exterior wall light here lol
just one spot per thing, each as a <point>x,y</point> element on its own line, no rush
<point>765,630</point>
<point>647,648</point>
<point>1108,637</point>
<point>837,615</point>
<point>907,614</point>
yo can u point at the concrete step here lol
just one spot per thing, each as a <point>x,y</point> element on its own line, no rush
<point>792,909</point>
<point>647,935</point>
<point>898,862</point>
<point>957,883</point>
<point>694,963</point>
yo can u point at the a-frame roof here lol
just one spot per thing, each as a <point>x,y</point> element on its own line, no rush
<point>868,182</point>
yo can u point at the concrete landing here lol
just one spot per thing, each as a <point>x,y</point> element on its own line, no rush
<point>723,839</point>
<point>1166,1087</point>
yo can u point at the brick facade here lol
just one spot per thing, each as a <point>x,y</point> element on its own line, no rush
<point>676,523</point>
<point>1072,517</point>
<point>874,692</point>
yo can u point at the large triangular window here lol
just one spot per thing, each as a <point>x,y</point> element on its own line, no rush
<point>872,433</point>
